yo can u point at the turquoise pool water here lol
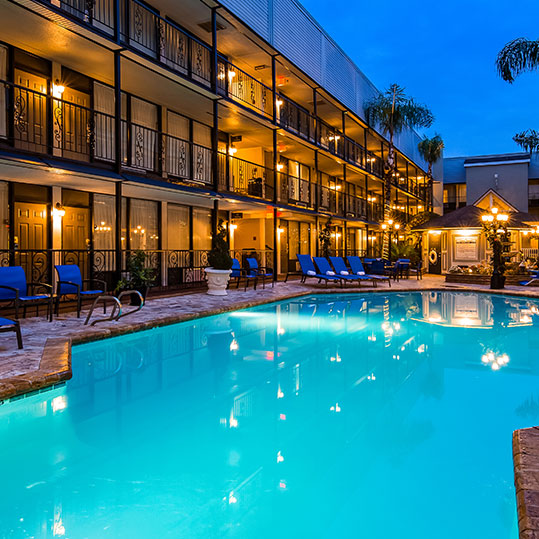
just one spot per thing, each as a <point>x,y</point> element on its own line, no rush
<point>371,416</point>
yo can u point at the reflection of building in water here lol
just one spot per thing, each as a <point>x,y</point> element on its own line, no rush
<point>473,310</point>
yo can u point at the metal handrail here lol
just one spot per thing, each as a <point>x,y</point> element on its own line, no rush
<point>116,312</point>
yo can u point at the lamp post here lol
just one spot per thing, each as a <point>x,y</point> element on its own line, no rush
<point>390,226</point>
<point>495,230</point>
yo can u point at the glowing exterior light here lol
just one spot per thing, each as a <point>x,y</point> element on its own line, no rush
<point>280,458</point>
<point>58,210</point>
<point>233,422</point>
<point>494,360</point>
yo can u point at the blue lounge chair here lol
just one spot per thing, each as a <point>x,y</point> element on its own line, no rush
<point>11,325</point>
<point>324,268</point>
<point>341,269</point>
<point>309,271</point>
<point>71,283</point>
<point>238,273</point>
<point>357,268</point>
<point>14,289</point>
<point>255,271</point>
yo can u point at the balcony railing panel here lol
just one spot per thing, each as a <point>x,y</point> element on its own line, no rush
<point>140,147</point>
<point>295,118</point>
<point>97,13</point>
<point>159,38</point>
<point>296,190</point>
<point>242,87</point>
<point>327,199</point>
<point>355,206</point>
<point>247,178</point>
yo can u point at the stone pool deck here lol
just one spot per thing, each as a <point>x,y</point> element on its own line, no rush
<point>46,358</point>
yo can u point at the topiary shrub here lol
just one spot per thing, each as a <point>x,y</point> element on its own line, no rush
<point>219,257</point>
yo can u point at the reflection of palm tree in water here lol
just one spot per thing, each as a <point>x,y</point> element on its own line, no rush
<point>529,408</point>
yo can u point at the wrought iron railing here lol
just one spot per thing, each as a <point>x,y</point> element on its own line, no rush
<point>244,88</point>
<point>244,177</point>
<point>327,199</point>
<point>146,31</point>
<point>171,267</point>
<point>96,13</point>
<point>296,190</point>
<point>355,206</point>
<point>295,118</point>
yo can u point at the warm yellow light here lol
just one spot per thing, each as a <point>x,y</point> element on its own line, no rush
<point>280,167</point>
<point>466,233</point>
<point>58,89</point>
<point>397,226</point>
<point>390,222</point>
<point>494,210</point>
<point>384,226</point>
<point>279,102</point>
<point>233,227</point>
<point>58,210</point>
<point>232,150</point>
<point>231,75</point>
<point>503,217</point>
<point>280,231</point>
<point>484,218</point>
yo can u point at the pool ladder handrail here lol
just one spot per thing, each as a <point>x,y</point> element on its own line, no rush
<point>117,309</point>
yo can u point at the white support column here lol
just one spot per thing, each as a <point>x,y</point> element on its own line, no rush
<point>164,242</point>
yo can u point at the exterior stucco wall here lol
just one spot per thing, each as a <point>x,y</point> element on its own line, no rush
<point>509,180</point>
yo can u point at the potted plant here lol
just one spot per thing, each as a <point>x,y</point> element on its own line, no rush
<point>325,239</point>
<point>138,278</point>
<point>220,262</point>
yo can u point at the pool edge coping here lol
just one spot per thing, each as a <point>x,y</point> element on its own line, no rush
<point>526,473</point>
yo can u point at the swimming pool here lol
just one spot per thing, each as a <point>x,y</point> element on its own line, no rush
<point>375,415</point>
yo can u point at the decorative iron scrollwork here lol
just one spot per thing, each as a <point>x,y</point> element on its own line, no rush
<point>58,119</point>
<point>90,133</point>
<point>139,147</point>
<point>19,114</point>
<point>138,21</point>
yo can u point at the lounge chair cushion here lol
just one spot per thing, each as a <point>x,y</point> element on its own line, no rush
<point>344,273</point>
<point>331,273</point>
<point>6,322</point>
<point>33,298</point>
<point>311,272</point>
<point>361,273</point>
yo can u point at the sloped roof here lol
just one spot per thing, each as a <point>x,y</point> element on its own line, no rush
<point>470,217</point>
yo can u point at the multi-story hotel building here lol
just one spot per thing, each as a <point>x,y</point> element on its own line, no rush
<point>127,125</point>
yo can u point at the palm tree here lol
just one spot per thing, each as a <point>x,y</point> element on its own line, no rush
<point>528,140</point>
<point>431,150</point>
<point>392,112</point>
<point>516,57</point>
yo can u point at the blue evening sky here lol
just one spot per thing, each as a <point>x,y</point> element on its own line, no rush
<point>444,53</point>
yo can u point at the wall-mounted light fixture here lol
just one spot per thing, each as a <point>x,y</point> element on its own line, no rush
<point>58,210</point>
<point>57,89</point>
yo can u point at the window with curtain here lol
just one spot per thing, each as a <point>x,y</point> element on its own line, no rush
<point>144,224</point>
<point>201,228</point>
<point>104,122</point>
<point>3,73</point>
<point>104,221</point>
<point>178,227</point>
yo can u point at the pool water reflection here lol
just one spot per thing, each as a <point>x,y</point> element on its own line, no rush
<point>374,415</point>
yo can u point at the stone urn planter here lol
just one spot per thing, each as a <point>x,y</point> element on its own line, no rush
<point>217,281</point>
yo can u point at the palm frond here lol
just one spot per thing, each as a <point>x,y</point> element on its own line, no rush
<point>516,57</point>
<point>431,149</point>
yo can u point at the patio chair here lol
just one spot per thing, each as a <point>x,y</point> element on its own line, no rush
<point>402,267</point>
<point>14,289</point>
<point>341,269</point>
<point>71,283</point>
<point>11,325</point>
<point>255,271</point>
<point>323,267</point>
<point>309,271</point>
<point>238,273</point>
<point>357,268</point>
